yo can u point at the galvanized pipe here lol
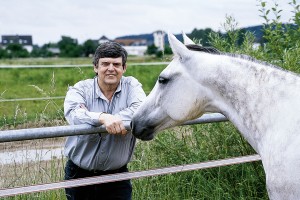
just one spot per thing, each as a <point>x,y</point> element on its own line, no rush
<point>83,129</point>
<point>76,66</point>
<point>126,175</point>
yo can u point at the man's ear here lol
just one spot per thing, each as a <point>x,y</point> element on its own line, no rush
<point>124,68</point>
<point>95,69</point>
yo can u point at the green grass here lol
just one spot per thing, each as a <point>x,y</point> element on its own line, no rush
<point>177,146</point>
<point>51,82</point>
<point>193,144</point>
<point>73,61</point>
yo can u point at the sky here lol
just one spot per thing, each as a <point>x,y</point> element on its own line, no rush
<point>48,20</point>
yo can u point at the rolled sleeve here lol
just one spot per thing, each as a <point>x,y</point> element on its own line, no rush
<point>74,113</point>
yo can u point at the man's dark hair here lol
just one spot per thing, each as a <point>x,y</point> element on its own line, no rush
<point>110,50</point>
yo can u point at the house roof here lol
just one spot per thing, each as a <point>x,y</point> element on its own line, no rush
<point>131,42</point>
<point>159,32</point>
<point>104,38</point>
<point>16,39</point>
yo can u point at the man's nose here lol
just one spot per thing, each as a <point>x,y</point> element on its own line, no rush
<point>111,66</point>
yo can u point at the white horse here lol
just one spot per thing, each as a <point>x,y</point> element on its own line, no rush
<point>261,100</point>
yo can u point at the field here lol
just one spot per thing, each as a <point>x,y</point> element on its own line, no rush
<point>177,146</point>
<point>21,83</point>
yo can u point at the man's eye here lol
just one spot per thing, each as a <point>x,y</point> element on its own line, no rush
<point>105,64</point>
<point>162,80</point>
<point>117,65</point>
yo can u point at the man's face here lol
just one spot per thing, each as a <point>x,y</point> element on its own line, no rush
<point>110,71</point>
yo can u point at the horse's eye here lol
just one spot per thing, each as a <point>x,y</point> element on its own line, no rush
<point>162,80</point>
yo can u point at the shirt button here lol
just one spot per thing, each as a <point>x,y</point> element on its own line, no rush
<point>102,151</point>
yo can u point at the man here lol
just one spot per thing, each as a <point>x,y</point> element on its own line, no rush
<point>108,99</point>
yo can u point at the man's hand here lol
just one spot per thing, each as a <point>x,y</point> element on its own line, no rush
<point>113,124</point>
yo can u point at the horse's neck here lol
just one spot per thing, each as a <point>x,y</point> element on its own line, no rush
<point>254,97</point>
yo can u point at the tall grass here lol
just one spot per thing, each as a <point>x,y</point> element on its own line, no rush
<point>177,146</point>
<point>192,144</point>
<point>50,82</point>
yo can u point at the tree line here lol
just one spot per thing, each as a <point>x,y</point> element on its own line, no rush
<point>274,37</point>
<point>68,47</point>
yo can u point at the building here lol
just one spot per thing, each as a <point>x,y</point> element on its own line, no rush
<point>54,50</point>
<point>103,39</point>
<point>24,40</point>
<point>159,39</point>
<point>136,47</point>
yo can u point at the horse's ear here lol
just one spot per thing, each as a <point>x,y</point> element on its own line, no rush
<point>177,47</point>
<point>186,39</point>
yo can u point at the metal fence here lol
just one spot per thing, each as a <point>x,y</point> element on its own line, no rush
<point>61,131</point>
<point>82,65</point>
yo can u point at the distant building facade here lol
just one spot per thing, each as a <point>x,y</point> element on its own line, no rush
<point>136,47</point>
<point>54,50</point>
<point>159,39</point>
<point>24,40</point>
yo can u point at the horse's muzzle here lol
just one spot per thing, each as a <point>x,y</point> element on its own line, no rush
<point>142,132</point>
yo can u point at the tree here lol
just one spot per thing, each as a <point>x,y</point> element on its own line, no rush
<point>42,51</point>
<point>151,49</point>
<point>69,47</point>
<point>3,53</point>
<point>201,36</point>
<point>89,47</point>
<point>16,51</point>
<point>168,50</point>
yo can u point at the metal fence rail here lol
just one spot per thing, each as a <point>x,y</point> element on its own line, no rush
<point>32,99</point>
<point>60,131</point>
<point>82,65</point>
<point>126,176</point>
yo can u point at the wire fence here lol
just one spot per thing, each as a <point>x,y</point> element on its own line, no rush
<point>82,65</point>
<point>32,99</point>
<point>61,66</point>
<point>60,131</point>
<point>127,175</point>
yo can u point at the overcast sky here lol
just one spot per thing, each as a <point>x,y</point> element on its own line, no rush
<point>48,20</point>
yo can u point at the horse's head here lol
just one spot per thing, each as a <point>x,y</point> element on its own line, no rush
<point>177,95</point>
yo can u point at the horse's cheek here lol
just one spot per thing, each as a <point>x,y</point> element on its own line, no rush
<point>178,111</point>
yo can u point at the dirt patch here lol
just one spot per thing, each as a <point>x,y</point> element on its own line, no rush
<point>34,144</point>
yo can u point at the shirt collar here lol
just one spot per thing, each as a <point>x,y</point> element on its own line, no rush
<point>99,93</point>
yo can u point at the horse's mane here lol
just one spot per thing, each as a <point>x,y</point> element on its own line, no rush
<point>212,50</point>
